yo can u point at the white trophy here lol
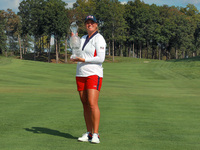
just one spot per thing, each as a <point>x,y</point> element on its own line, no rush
<point>75,42</point>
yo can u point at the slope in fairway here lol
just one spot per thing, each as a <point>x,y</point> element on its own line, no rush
<point>145,105</point>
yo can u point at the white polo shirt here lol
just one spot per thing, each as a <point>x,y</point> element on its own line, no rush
<point>93,51</point>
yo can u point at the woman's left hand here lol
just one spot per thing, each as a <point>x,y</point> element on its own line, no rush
<point>78,59</point>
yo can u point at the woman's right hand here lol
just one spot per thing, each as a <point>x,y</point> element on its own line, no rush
<point>72,34</point>
<point>77,59</point>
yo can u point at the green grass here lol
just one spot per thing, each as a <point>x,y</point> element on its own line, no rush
<point>145,105</point>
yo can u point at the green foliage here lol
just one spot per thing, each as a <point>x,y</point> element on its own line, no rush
<point>133,18</point>
<point>10,30</point>
<point>165,27</point>
<point>44,18</point>
<point>159,31</point>
<point>190,10</point>
<point>2,32</point>
<point>24,13</point>
<point>56,18</point>
<point>13,30</point>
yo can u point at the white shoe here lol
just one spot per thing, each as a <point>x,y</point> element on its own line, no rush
<point>95,138</point>
<point>85,137</point>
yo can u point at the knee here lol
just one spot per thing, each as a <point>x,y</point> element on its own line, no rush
<point>93,106</point>
<point>85,103</point>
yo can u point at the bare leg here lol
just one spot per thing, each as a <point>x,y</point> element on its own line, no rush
<point>86,110</point>
<point>92,96</point>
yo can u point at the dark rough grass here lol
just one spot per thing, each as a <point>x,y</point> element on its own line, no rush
<point>145,105</point>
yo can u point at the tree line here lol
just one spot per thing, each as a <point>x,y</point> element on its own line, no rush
<point>134,29</point>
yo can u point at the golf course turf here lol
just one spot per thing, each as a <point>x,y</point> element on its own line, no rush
<point>144,104</point>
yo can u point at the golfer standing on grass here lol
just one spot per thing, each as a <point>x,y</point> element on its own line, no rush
<point>89,75</point>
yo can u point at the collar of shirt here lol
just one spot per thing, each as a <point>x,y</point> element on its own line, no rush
<point>88,39</point>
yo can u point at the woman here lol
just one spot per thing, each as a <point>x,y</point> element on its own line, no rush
<point>89,75</point>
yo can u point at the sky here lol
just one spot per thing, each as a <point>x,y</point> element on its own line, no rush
<point>13,4</point>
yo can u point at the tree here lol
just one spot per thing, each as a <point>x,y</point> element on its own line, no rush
<point>81,9</point>
<point>57,22</point>
<point>38,23</point>
<point>159,31</point>
<point>138,22</point>
<point>2,32</point>
<point>13,30</point>
<point>120,27</point>
<point>25,15</point>
<point>129,17</point>
<point>112,22</point>
<point>44,17</point>
<point>183,32</point>
<point>192,12</point>
<point>164,31</point>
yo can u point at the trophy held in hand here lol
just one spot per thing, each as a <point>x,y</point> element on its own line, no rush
<point>75,42</point>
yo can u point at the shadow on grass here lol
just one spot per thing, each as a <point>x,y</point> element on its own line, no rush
<point>40,130</point>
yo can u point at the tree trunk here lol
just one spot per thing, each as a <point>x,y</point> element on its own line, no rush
<point>49,50</point>
<point>129,52</point>
<point>35,49</point>
<point>58,49</point>
<point>159,52</point>
<point>113,49</point>
<point>113,46</point>
<point>43,44</point>
<point>40,42</point>
<point>23,46</point>
<point>66,49</point>
<point>136,54</point>
<point>57,58</point>
<point>133,50</point>
<point>127,49</point>
<point>20,49</point>
<point>109,48</point>
<point>121,53</point>
<point>147,49</point>
<point>140,50</point>
<point>194,54</point>
<point>183,54</point>
<point>176,53</point>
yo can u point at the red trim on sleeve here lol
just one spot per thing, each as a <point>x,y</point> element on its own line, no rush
<point>95,53</point>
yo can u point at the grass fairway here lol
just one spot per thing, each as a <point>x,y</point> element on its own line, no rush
<point>145,105</point>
